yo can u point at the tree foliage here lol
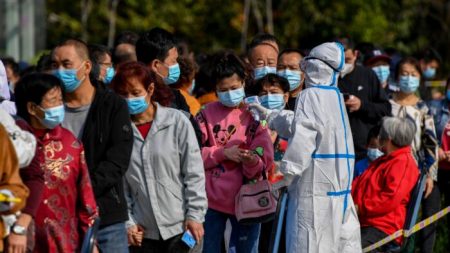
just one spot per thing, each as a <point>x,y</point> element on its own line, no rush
<point>208,25</point>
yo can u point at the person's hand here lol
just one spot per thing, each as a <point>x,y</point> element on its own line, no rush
<point>442,155</point>
<point>232,154</point>
<point>258,111</point>
<point>95,249</point>
<point>195,228</point>
<point>17,243</point>
<point>353,103</point>
<point>429,184</point>
<point>447,156</point>
<point>248,157</point>
<point>135,235</point>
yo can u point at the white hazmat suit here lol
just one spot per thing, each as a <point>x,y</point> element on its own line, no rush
<point>318,163</point>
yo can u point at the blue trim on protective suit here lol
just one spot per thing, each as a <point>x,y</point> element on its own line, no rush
<point>333,156</point>
<point>347,191</point>
<point>341,64</point>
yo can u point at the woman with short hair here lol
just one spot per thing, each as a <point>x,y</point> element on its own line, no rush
<point>381,194</point>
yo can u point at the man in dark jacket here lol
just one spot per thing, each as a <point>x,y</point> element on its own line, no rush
<point>365,100</point>
<point>101,121</point>
<point>158,50</point>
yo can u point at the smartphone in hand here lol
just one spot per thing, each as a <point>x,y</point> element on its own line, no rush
<point>188,239</point>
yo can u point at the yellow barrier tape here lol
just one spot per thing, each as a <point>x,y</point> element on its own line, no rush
<point>407,233</point>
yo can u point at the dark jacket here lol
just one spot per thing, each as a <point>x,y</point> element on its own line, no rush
<point>363,83</point>
<point>179,103</point>
<point>108,141</point>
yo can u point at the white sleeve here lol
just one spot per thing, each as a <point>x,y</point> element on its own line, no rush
<point>23,141</point>
<point>302,144</point>
<point>281,122</point>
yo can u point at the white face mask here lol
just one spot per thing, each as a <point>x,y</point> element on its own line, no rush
<point>348,67</point>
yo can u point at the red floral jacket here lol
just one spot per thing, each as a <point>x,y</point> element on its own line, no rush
<point>68,205</point>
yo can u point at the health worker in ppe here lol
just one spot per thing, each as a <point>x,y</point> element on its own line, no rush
<point>318,164</point>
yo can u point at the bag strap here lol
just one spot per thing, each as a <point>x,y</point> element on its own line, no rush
<point>251,132</point>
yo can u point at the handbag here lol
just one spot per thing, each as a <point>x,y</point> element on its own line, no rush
<point>255,202</point>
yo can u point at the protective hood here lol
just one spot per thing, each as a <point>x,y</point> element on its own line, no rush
<point>323,64</point>
<point>4,88</point>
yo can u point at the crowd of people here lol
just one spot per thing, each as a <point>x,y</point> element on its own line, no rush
<point>172,151</point>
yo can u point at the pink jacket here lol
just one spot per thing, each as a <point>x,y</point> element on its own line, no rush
<point>224,127</point>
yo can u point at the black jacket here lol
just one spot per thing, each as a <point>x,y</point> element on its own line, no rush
<point>180,103</point>
<point>363,83</point>
<point>108,142</point>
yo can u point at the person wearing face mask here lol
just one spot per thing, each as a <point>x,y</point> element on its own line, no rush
<point>289,68</point>
<point>366,103</point>
<point>373,152</point>
<point>67,203</point>
<point>229,155</point>
<point>186,83</point>
<point>320,150</point>
<point>406,104</point>
<point>262,53</point>
<point>379,62</point>
<point>430,60</point>
<point>441,114</point>
<point>383,191</point>
<point>273,91</point>
<point>158,217</point>
<point>102,66</point>
<point>157,49</point>
<point>100,120</point>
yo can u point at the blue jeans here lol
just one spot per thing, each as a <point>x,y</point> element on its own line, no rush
<point>113,238</point>
<point>244,238</point>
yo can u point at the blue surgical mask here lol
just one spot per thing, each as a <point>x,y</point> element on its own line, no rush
<point>429,73</point>
<point>109,75</point>
<point>448,95</point>
<point>293,76</point>
<point>174,74</point>
<point>382,73</point>
<point>231,98</point>
<point>137,105</point>
<point>52,116</point>
<point>69,78</point>
<point>273,101</point>
<point>262,71</point>
<point>374,153</point>
<point>408,84</point>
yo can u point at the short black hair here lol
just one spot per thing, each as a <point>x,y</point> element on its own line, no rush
<point>10,62</point>
<point>262,39</point>
<point>289,51</point>
<point>407,60</point>
<point>272,80</point>
<point>203,79</point>
<point>154,44</point>
<point>80,47</point>
<point>44,63</point>
<point>373,133</point>
<point>430,54</point>
<point>347,42</point>
<point>226,64</point>
<point>32,88</point>
<point>96,54</point>
<point>126,37</point>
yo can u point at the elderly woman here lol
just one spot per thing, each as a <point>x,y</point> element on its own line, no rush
<point>165,181</point>
<point>68,205</point>
<point>382,192</point>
